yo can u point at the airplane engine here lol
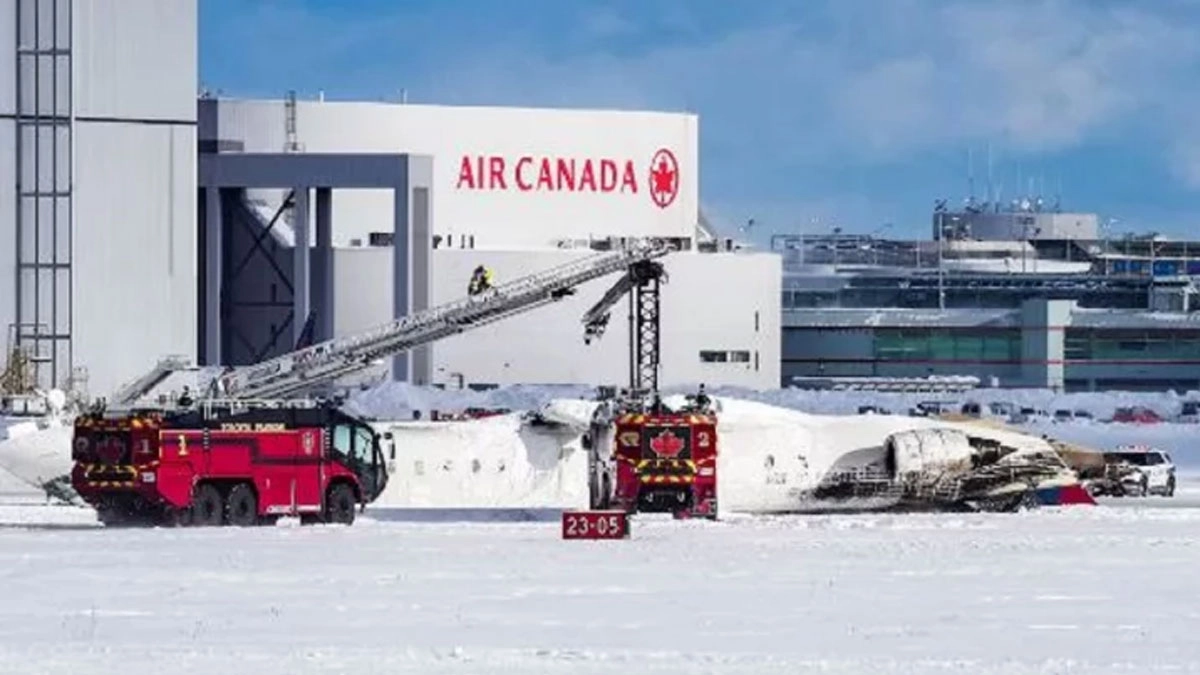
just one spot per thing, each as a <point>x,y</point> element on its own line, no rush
<point>927,453</point>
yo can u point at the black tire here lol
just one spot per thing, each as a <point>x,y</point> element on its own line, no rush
<point>606,493</point>
<point>1170,491</point>
<point>241,506</point>
<point>208,509</point>
<point>119,517</point>
<point>177,518</point>
<point>340,504</point>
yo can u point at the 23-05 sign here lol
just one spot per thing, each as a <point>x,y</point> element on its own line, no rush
<point>595,525</point>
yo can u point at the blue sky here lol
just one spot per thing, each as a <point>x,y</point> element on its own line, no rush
<point>849,112</point>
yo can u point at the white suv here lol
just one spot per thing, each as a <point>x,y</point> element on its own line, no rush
<point>1151,470</point>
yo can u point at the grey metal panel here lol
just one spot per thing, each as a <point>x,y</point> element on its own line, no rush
<point>8,234</point>
<point>136,58</point>
<point>322,266</point>
<point>301,281</point>
<point>8,59</point>
<point>206,119</point>
<point>135,248</point>
<point>420,180</point>
<point>272,170</point>
<point>402,264</point>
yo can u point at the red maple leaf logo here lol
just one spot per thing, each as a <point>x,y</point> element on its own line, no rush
<point>666,444</point>
<point>664,178</point>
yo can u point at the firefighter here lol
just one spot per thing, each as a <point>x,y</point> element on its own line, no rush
<point>185,397</point>
<point>702,399</point>
<point>481,280</point>
<point>476,281</point>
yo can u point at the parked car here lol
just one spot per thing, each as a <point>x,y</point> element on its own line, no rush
<point>1135,415</point>
<point>931,408</point>
<point>1134,470</point>
<point>873,410</point>
<point>996,410</point>
<point>1065,415</point>
<point>1189,412</point>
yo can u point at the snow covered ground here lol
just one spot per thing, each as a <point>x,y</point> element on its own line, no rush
<point>1075,590</point>
<point>1106,589</point>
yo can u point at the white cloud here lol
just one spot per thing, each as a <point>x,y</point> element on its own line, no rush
<point>895,79</point>
<point>804,90</point>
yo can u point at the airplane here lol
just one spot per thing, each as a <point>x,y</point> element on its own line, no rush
<point>775,460</point>
<point>772,460</point>
<point>37,451</point>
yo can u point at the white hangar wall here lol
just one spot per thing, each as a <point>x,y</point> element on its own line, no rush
<point>723,304</point>
<point>506,177</point>
<point>99,132</point>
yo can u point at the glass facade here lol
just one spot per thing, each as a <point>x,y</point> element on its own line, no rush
<point>969,345</point>
<point>963,291</point>
<point>1112,344</point>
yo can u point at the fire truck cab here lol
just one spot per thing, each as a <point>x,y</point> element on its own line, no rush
<point>654,459</point>
<point>219,466</point>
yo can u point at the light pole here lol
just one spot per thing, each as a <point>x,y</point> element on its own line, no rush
<point>941,236</point>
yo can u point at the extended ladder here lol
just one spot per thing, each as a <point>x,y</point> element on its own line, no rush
<point>326,362</point>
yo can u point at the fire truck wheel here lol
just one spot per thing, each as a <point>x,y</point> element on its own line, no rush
<point>208,509</point>
<point>606,493</point>
<point>339,505</point>
<point>241,506</point>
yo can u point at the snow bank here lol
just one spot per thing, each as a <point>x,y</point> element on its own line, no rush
<point>36,456</point>
<point>398,400</point>
<point>1100,404</point>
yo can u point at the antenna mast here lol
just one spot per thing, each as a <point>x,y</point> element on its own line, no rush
<point>970,177</point>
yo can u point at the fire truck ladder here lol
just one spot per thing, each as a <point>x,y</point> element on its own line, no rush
<point>301,370</point>
<point>642,281</point>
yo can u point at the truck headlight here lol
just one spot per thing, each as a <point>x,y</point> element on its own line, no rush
<point>148,477</point>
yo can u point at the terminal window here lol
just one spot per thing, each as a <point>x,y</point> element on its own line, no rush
<point>723,356</point>
<point>1097,344</point>
<point>972,345</point>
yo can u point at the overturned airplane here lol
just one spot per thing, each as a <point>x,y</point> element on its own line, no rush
<point>771,460</point>
<point>775,460</point>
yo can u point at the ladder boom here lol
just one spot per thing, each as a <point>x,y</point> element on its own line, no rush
<point>328,361</point>
<point>641,282</point>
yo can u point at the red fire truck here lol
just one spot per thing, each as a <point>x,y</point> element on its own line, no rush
<point>226,466</point>
<point>649,458</point>
<point>666,462</point>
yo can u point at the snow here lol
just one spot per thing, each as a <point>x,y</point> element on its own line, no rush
<point>398,400</point>
<point>36,456</point>
<point>1104,589</point>
<point>10,484</point>
<point>1096,590</point>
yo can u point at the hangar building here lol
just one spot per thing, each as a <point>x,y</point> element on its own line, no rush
<point>516,190</point>
<point>121,255</point>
